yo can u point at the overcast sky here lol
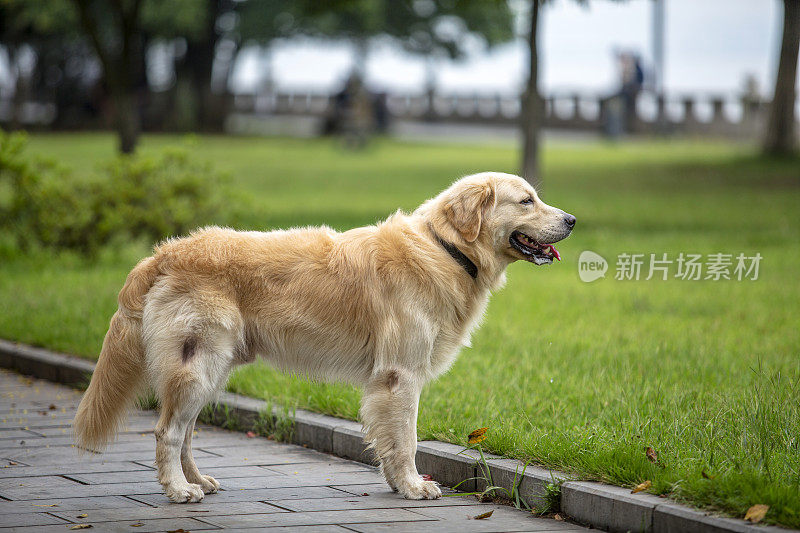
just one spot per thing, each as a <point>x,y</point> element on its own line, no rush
<point>710,46</point>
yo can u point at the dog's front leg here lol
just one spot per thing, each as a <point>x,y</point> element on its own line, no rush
<point>389,414</point>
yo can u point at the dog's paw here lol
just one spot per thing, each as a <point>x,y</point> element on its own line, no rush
<point>184,492</point>
<point>419,490</point>
<point>209,484</point>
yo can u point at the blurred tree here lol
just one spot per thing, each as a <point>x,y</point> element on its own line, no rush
<point>47,56</point>
<point>204,38</point>
<point>532,116</point>
<point>780,138</point>
<point>532,104</point>
<point>115,32</point>
<point>421,27</point>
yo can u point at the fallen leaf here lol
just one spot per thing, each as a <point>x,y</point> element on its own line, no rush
<point>558,518</point>
<point>756,513</point>
<point>81,526</point>
<point>484,515</point>
<point>181,530</point>
<point>52,407</point>
<point>250,434</point>
<point>137,524</point>
<point>365,493</point>
<point>479,435</point>
<point>706,475</point>
<point>84,515</point>
<point>642,486</point>
<point>12,463</point>
<point>651,454</point>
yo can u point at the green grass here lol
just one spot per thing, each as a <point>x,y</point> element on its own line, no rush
<point>578,376</point>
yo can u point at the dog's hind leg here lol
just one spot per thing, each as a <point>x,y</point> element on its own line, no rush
<point>193,475</point>
<point>188,376</point>
<point>389,414</point>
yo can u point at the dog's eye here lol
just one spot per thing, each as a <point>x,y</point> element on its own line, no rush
<point>527,201</point>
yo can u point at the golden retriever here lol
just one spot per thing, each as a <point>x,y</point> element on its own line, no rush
<point>385,306</point>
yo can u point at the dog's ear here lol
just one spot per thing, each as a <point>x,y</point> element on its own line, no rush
<point>468,207</point>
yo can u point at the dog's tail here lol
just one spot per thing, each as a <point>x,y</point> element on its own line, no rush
<point>120,371</point>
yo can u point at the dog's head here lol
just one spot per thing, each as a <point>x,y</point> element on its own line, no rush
<point>503,212</point>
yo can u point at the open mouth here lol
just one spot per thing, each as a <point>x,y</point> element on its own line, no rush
<point>540,254</point>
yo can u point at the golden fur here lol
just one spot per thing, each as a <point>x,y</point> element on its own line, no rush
<point>383,306</point>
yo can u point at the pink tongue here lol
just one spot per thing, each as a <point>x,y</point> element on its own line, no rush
<point>554,252</point>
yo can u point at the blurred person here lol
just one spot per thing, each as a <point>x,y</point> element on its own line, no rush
<point>352,114</point>
<point>621,106</point>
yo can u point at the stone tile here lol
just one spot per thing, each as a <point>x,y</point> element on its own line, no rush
<point>369,488</point>
<point>302,480</point>
<point>73,470</point>
<point>66,504</point>
<point>388,500</point>
<point>21,483</point>
<point>199,511</point>
<point>473,509</point>
<point>56,456</point>
<point>29,519</point>
<point>129,444</point>
<point>15,434</point>
<point>221,473</point>
<point>257,495</point>
<point>327,528</point>
<point>299,456</point>
<point>80,491</point>
<point>323,468</point>
<point>167,524</point>
<point>465,526</point>
<point>316,518</point>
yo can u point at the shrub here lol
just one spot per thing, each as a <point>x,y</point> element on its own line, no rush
<point>133,196</point>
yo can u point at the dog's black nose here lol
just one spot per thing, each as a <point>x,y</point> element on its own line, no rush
<point>569,220</point>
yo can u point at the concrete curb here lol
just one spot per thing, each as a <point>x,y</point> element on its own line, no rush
<point>597,505</point>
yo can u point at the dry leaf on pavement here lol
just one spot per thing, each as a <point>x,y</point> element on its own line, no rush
<point>642,486</point>
<point>756,513</point>
<point>484,515</point>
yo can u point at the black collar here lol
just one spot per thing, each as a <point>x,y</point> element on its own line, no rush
<point>465,262</point>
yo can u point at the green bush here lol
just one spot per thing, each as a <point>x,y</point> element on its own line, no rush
<point>133,196</point>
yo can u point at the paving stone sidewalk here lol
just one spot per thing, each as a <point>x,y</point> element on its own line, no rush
<point>45,485</point>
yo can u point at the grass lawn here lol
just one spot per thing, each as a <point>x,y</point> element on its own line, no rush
<point>579,376</point>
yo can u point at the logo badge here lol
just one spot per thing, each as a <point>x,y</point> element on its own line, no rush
<point>591,266</point>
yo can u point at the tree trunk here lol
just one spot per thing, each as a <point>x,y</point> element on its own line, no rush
<point>780,135</point>
<point>126,110</point>
<point>122,64</point>
<point>532,109</point>
<point>200,60</point>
